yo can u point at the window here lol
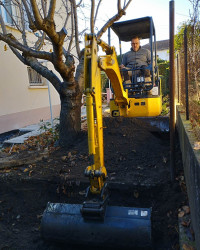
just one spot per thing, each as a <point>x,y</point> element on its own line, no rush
<point>35,79</point>
<point>10,12</point>
<point>7,11</point>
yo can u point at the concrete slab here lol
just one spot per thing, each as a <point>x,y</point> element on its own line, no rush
<point>31,130</point>
<point>20,139</point>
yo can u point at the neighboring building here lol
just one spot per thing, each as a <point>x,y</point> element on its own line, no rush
<point>162,49</point>
<point>24,96</point>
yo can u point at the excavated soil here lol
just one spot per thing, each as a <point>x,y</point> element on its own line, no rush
<point>137,160</point>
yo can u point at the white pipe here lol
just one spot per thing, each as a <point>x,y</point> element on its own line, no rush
<point>50,104</point>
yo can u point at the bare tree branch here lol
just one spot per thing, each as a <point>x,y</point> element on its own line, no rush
<point>76,28</point>
<point>23,24</point>
<point>3,25</point>
<point>51,12</point>
<point>97,9</point>
<point>72,29</point>
<point>113,19</point>
<point>37,15</point>
<point>19,56</point>
<point>44,8</point>
<point>69,13</point>
<point>40,42</point>
<point>12,41</point>
<point>119,7</point>
<point>92,16</point>
<point>78,5</point>
<point>30,19</point>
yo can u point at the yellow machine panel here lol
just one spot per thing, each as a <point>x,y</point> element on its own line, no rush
<point>139,107</point>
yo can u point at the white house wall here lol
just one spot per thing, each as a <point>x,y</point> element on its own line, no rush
<point>163,54</point>
<point>21,105</point>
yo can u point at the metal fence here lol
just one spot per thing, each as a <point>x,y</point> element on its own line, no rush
<point>187,89</point>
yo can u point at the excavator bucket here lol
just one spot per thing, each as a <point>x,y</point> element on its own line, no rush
<point>121,227</point>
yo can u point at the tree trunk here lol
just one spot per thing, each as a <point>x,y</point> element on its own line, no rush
<point>70,97</point>
<point>70,118</point>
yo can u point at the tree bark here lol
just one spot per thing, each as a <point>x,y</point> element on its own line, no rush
<point>70,117</point>
<point>70,114</point>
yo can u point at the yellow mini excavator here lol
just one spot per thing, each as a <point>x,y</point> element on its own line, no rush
<point>95,222</point>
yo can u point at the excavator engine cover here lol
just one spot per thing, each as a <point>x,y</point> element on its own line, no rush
<point>121,227</point>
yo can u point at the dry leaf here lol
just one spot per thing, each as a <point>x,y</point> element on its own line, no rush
<point>181,214</point>
<point>186,223</point>
<point>197,145</point>
<point>30,173</point>
<point>186,209</point>
<point>7,171</point>
<point>187,247</point>
<point>136,194</point>
<point>63,158</point>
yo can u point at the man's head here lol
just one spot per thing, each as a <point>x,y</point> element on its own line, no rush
<point>135,43</point>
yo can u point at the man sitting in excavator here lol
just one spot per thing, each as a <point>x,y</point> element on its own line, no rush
<point>137,59</point>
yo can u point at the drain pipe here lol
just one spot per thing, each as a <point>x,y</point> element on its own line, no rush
<point>172,92</point>
<point>50,105</point>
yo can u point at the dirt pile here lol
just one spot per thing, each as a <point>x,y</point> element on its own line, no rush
<point>137,161</point>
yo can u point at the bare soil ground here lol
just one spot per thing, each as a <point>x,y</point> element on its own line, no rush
<point>137,160</point>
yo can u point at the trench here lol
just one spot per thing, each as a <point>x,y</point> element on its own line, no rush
<point>137,161</point>
<point>22,205</point>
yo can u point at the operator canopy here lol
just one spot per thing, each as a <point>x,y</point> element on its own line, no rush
<point>141,27</point>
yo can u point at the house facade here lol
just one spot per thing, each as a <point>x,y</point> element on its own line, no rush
<point>162,49</point>
<point>25,96</point>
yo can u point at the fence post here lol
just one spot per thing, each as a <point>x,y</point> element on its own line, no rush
<point>177,77</point>
<point>172,92</point>
<point>186,75</point>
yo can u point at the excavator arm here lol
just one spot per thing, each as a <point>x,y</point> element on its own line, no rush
<point>93,64</point>
<point>96,171</point>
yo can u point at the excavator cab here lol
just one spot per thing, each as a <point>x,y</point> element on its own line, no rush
<point>142,82</point>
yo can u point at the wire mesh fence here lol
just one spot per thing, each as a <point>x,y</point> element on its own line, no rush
<point>192,102</point>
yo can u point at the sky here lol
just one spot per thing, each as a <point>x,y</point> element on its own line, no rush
<point>158,9</point>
